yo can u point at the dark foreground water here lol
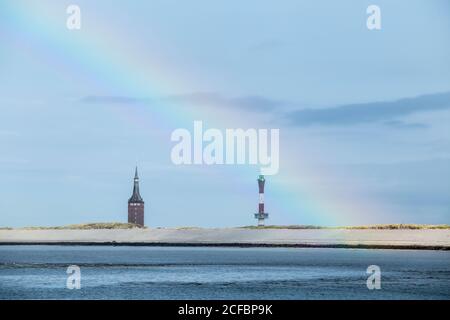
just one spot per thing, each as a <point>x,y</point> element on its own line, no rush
<point>39,272</point>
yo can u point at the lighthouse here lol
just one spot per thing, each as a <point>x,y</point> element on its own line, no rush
<point>261,215</point>
<point>136,204</point>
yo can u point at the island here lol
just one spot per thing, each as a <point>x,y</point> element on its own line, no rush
<point>429,237</point>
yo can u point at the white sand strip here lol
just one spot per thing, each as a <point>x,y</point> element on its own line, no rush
<point>236,236</point>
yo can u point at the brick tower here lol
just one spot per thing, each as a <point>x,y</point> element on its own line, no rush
<point>136,204</point>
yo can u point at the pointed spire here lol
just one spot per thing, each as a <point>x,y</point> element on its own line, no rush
<point>136,197</point>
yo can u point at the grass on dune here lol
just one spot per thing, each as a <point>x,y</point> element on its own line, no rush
<point>119,225</point>
<point>89,226</point>
<point>367,227</point>
<point>402,226</point>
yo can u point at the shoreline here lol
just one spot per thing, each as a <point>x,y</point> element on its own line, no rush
<point>232,245</point>
<point>235,237</point>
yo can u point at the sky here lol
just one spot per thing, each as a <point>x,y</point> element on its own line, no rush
<point>364,115</point>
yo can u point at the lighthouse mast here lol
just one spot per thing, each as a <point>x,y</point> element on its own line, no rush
<point>261,215</point>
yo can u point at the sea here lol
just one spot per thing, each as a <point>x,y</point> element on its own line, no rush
<point>147,272</point>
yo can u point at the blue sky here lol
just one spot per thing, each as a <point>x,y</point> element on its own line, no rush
<point>369,111</point>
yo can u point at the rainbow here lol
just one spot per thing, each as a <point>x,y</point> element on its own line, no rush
<point>115,68</point>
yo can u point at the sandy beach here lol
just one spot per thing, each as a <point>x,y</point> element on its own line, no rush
<point>395,239</point>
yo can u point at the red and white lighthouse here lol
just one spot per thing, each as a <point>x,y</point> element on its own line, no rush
<point>261,215</point>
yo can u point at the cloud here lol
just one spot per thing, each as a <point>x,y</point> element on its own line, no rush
<point>370,112</point>
<point>398,124</point>
<point>387,112</point>
<point>111,100</point>
<point>253,103</point>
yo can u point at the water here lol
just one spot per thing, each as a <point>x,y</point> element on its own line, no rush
<point>39,272</point>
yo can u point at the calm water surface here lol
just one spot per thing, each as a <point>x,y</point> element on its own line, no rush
<point>39,272</point>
